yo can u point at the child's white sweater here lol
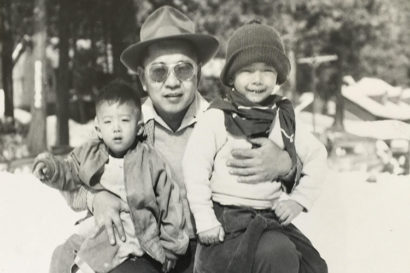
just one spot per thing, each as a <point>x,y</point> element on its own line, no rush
<point>207,176</point>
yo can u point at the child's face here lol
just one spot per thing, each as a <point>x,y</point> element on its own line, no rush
<point>117,125</point>
<point>256,81</point>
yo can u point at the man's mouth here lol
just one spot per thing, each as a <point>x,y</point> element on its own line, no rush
<point>173,95</point>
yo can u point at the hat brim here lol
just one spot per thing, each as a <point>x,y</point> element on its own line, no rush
<point>206,47</point>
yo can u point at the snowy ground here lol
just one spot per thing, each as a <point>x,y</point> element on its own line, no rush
<point>359,227</point>
<point>362,227</point>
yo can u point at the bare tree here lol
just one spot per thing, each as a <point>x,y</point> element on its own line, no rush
<point>37,137</point>
<point>62,97</point>
<point>6,57</point>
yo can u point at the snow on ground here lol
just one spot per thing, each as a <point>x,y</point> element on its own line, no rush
<point>35,219</point>
<point>357,226</point>
<point>362,227</point>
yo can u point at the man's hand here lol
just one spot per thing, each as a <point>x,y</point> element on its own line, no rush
<point>106,210</point>
<point>212,236</point>
<point>168,265</point>
<point>264,163</point>
<point>287,210</point>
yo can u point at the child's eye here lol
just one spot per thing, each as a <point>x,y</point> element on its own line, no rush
<point>125,120</point>
<point>107,121</point>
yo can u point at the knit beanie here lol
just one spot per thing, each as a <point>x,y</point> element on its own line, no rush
<point>252,43</point>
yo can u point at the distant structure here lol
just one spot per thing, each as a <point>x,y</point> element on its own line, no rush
<point>373,99</point>
<point>369,99</point>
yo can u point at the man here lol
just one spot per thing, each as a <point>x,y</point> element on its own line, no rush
<point>168,59</point>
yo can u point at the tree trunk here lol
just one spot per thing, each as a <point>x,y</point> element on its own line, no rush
<point>6,58</point>
<point>339,115</point>
<point>37,137</point>
<point>105,26</point>
<point>121,27</point>
<point>62,98</point>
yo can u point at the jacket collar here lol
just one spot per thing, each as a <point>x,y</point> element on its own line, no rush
<point>197,107</point>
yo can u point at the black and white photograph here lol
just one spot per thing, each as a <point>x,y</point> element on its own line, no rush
<point>205,136</point>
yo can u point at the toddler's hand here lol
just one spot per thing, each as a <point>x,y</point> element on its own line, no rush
<point>42,172</point>
<point>168,265</point>
<point>212,236</point>
<point>40,168</point>
<point>287,210</point>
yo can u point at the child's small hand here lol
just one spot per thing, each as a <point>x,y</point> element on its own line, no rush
<point>42,172</point>
<point>40,168</point>
<point>212,236</point>
<point>287,210</point>
<point>168,265</point>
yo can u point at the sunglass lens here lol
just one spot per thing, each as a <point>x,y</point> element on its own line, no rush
<point>184,71</point>
<point>158,73</point>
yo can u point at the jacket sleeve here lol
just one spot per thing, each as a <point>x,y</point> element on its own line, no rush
<point>313,155</point>
<point>75,194</point>
<point>79,199</point>
<point>173,230</point>
<point>64,172</point>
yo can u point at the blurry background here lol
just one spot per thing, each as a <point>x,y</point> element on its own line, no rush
<point>349,82</point>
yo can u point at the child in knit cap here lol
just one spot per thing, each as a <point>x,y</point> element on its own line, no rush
<point>246,227</point>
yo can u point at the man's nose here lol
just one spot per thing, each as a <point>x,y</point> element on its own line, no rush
<point>172,81</point>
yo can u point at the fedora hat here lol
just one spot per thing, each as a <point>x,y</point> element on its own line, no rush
<point>167,23</point>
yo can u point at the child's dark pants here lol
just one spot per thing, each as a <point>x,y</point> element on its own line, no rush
<point>255,242</point>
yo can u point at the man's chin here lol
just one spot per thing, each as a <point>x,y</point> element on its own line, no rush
<point>175,108</point>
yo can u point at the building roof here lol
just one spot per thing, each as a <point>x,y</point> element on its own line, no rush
<point>379,98</point>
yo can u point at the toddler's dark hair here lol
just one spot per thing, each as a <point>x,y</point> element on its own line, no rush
<point>254,21</point>
<point>117,91</point>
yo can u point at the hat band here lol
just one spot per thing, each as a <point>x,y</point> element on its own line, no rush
<point>165,31</point>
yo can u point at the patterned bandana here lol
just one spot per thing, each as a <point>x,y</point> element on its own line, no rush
<point>245,118</point>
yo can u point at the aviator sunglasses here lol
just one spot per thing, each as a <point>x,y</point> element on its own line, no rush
<point>183,71</point>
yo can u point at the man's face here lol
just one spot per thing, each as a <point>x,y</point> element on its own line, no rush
<point>116,124</point>
<point>170,76</point>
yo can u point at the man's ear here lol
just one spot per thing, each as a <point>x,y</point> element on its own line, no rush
<point>97,128</point>
<point>141,75</point>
